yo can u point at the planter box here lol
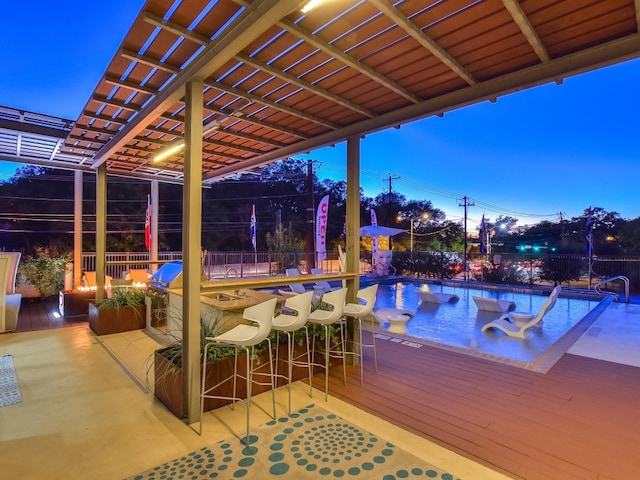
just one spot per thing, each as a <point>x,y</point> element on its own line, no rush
<point>104,321</point>
<point>73,303</point>
<point>168,382</point>
<point>168,378</point>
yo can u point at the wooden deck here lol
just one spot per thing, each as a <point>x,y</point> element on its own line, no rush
<point>44,315</point>
<point>578,421</point>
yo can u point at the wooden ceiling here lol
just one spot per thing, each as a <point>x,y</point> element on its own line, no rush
<point>279,82</point>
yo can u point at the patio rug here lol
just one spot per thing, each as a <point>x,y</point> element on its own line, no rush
<point>9,390</point>
<point>311,443</point>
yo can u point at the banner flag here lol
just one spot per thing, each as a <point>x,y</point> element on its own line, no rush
<point>321,228</point>
<point>344,231</point>
<point>483,236</point>
<point>147,224</point>
<point>252,228</point>
<point>589,233</point>
<point>374,240</point>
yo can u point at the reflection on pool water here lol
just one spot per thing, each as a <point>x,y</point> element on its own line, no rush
<point>459,325</point>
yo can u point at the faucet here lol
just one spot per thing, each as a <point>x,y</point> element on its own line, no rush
<point>228,271</point>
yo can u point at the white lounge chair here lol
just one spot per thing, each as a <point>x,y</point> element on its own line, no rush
<point>9,300</point>
<point>494,305</point>
<point>426,295</point>
<point>521,322</point>
<point>294,288</point>
<point>323,284</point>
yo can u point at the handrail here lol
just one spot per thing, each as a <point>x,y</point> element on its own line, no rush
<point>618,277</point>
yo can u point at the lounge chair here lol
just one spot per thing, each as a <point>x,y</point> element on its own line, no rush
<point>428,296</point>
<point>137,275</point>
<point>521,322</point>
<point>494,305</point>
<point>9,300</point>
<point>323,284</point>
<point>294,288</point>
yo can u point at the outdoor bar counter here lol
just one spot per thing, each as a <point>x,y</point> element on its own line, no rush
<point>224,300</point>
<point>267,282</point>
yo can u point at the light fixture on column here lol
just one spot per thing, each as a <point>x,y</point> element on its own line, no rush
<point>179,145</point>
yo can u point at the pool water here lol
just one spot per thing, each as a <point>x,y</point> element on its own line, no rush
<point>459,325</point>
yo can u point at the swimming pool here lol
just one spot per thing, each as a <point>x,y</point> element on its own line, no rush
<point>458,326</point>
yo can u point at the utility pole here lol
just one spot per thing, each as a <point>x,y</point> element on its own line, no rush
<point>466,202</point>
<point>562,234</point>
<point>391,178</point>
<point>388,219</point>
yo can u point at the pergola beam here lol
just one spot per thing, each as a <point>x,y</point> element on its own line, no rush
<point>527,29</point>
<point>586,60</point>
<point>252,23</point>
<point>423,39</point>
<point>303,84</point>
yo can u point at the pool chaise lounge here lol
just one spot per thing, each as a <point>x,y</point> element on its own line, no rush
<point>433,297</point>
<point>522,321</point>
<point>383,314</point>
<point>494,305</point>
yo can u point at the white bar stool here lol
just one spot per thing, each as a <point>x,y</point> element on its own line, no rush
<point>325,318</point>
<point>244,336</point>
<point>359,311</point>
<point>289,324</point>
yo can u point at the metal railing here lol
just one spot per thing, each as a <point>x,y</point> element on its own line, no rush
<point>615,295</point>
<point>522,268</point>
<point>215,264</point>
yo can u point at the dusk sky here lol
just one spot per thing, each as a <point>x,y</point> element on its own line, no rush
<point>533,154</point>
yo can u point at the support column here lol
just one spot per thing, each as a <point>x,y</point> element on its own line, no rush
<point>101,230</point>
<point>353,231</point>
<point>191,244</point>
<point>353,215</point>
<point>77,228</point>
<point>153,254</point>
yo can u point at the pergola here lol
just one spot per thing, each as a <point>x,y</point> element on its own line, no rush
<point>201,89</point>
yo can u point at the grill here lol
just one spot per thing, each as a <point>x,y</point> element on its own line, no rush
<point>168,276</point>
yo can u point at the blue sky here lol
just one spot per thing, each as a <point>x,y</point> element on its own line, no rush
<point>532,155</point>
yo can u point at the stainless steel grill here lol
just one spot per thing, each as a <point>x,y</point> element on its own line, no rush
<point>169,275</point>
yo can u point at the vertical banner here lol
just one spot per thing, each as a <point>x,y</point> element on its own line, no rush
<point>321,228</point>
<point>344,232</point>
<point>589,230</point>
<point>483,236</point>
<point>252,228</point>
<point>374,239</point>
<point>147,224</point>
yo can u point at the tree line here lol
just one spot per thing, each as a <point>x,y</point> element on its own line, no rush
<point>36,210</point>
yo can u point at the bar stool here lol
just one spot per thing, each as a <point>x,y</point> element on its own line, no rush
<point>289,324</point>
<point>359,311</point>
<point>244,336</point>
<point>326,318</point>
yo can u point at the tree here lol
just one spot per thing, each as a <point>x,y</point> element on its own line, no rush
<point>630,237</point>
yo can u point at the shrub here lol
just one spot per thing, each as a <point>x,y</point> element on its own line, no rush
<point>45,270</point>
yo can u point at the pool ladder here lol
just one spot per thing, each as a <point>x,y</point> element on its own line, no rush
<point>615,295</point>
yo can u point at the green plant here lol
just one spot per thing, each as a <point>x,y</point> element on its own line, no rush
<point>208,328</point>
<point>45,270</point>
<point>123,297</point>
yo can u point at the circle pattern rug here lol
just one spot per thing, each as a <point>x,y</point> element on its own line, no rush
<point>310,443</point>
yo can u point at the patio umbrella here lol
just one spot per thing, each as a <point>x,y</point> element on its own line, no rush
<point>376,230</point>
